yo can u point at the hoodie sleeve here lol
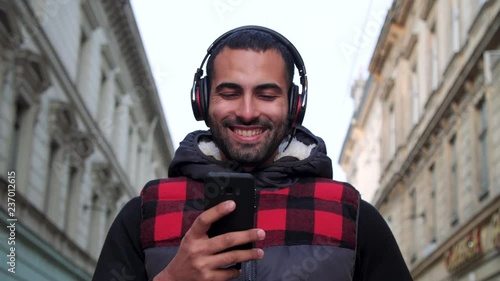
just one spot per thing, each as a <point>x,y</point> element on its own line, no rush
<point>121,257</point>
<point>378,256</point>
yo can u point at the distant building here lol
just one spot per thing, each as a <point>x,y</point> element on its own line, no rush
<point>436,72</point>
<point>81,131</point>
<point>360,154</point>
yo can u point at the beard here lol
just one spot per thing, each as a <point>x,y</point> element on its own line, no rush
<point>248,154</point>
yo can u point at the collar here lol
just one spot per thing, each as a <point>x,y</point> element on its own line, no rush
<point>305,157</point>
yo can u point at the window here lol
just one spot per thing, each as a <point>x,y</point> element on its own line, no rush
<point>90,68</point>
<point>455,26</point>
<point>392,131</point>
<point>454,180</point>
<point>121,129</point>
<point>81,62</point>
<point>414,224</point>
<point>415,97</point>
<point>53,151</point>
<point>107,103</point>
<point>483,147</point>
<point>132,152</point>
<point>98,207</point>
<point>19,122</point>
<point>55,179</point>
<point>70,192</point>
<point>434,60</point>
<point>68,150</point>
<point>96,230</point>
<point>73,194</point>
<point>433,218</point>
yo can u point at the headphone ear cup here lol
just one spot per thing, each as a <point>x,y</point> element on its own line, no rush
<point>199,102</point>
<point>196,101</point>
<point>292,106</point>
<point>204,96</point>
<point>301,108</point>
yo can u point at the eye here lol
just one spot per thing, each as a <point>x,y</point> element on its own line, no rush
<point>267,97</point>
<point>228,95</point>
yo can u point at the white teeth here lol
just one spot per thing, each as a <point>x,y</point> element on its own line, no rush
<point>247,133</point>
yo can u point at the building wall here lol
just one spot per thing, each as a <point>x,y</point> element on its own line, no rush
<point>435,71</point>
<point>361,151</point>
<point>80,118</point>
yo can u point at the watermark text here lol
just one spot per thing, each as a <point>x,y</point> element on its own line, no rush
<point>11,221</point>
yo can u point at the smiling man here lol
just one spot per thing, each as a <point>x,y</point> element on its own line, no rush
<point>248,105</point>
<point>308,226</point>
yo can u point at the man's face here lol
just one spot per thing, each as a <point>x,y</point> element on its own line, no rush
<point>248,105</point>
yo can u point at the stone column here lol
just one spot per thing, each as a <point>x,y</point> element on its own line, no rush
<point>24,154</point>
<point>97,226</point>
<point>55,203</point>
<point>107,104</point>
<point>81,148</point>
<point>142,165</point>
<point>132,155</point>
<point>89,75</point>
<point>121,127</point>
<point>29,88</point>
<point>7,114</point>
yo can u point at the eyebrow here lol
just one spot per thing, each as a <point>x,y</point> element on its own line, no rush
<point>266,86</point>
<point>228,85</point>
<point>234,86</point>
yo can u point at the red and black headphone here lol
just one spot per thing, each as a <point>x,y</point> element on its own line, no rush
<point>298,99</point>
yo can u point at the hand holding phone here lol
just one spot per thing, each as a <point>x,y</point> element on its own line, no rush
<point>198,257</point>
<point>239,187</point>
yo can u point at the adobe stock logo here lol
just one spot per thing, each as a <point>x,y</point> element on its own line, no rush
<point>308,265</point>
<point>221,7</point>
<point>319,261</point>
<point>364,36</point>
<point>43,11</point>
<point>161,75</point>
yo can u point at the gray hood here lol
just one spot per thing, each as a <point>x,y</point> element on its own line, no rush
<point>306,156</point>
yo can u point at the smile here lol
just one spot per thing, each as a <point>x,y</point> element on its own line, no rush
<point>248,133</point>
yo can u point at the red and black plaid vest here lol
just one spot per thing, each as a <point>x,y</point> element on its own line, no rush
<point>313,211</point>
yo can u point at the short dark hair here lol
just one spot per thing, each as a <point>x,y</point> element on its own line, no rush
<point>254,40</point>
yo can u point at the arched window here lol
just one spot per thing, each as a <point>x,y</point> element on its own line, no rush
<point>24,80</point>
<point>68,150</point>
<point>102,206</point>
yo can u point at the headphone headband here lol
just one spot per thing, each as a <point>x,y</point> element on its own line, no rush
<point>299,63</point>
<point>298,100</point>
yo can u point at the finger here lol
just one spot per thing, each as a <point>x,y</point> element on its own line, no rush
<point>223,274</point>
<point>230,239</point>
<point>202,223</point>
<point>236,256</point>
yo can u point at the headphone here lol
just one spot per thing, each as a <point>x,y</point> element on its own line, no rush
<point>200,92</point>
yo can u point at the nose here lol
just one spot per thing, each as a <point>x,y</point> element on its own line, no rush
<point>248,108</point>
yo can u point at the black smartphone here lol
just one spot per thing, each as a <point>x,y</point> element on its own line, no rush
<point>239,187</point>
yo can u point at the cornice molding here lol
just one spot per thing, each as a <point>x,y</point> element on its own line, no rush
<point>121,21</point>
<point>41,39</point>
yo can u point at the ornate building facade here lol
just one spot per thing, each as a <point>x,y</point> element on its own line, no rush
<point>81,131</point>
<point>360,153</point>
<point>435,71</point>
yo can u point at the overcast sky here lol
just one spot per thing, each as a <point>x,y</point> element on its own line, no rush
<point>335,39</point>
